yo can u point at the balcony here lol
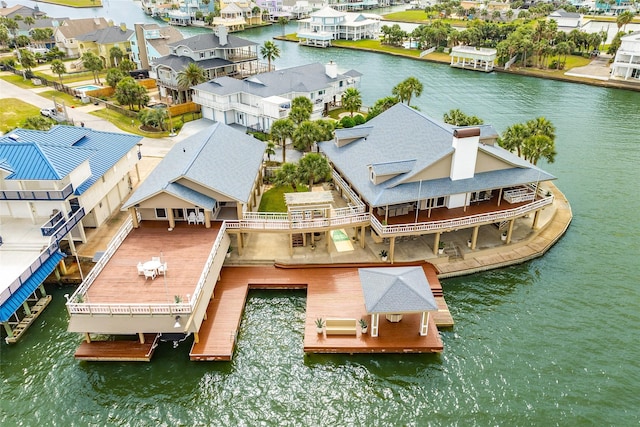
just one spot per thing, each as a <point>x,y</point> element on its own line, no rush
<point>58,226</point>
<point>53,195</point>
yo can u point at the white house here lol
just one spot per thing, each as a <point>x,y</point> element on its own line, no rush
<point>258,101</point>
<point>626,65</point>
<point>567,21</point>
<point>329,24</point>
<point>54,184</point>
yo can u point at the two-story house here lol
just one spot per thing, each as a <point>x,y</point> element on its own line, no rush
<point>626,65</point>
<point>66,35</point>
<point>100,42</point>
<point>53,185</point>
<point>567,21</point>
<point>152,42</point>
<point>217,53</point>
<point>258,101</point>
<point>329,24</point>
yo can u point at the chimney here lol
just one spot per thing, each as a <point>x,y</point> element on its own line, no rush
<point>331,69</point>
<point>463,164</point>
<point>123,26</point>
<point>221,32</point>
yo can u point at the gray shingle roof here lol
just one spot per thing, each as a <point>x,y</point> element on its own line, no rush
<point>219,158</point>
<point>402,133</point>
<point>179,63</point>
<point>209,40</point>
<point>305,78</point>
<point>396,290</point>
<point>107,35</point>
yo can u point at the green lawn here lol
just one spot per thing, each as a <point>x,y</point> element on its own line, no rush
<point>124,123</point>
<point>18,81</point>
<point>75,3</point>
<point>273,200</point>
<point>377,46</point>
<point>70,101</point>
<point>13,112</point>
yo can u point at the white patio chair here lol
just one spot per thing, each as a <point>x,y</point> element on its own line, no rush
<point>200,218</point>
<point>149,273</point>
<point>163,269</point>
<point>140,269</point>
<point>191,219</point>
<point>155,258</point>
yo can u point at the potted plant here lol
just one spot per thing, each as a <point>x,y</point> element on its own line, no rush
<point>177,299</point>
<point>384,255</point>
<point>441,247</point>
<point>503,236</point>
<point>319,325</point>
<point>363,325</point>
<point>469,243</point>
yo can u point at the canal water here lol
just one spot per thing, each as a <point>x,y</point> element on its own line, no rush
<point>550,342</point>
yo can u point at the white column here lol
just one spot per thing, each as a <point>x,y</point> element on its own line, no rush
<point>375,318</point>
<point>424,324</point>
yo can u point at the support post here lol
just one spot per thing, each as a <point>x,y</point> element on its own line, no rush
<point>87,338</point>
<point>436,243</point>
<point>392,246</point>
<point>8,330</point>
<point>375,319</point>
<point>134,217</point>
<point>141,337</point>
<point>536,218</point>
<point>27,310</point>
<point>510,231</point>
<point>474,237</point>
<point>424,324</point>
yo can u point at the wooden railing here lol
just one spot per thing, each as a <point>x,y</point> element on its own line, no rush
<point>37,194</point>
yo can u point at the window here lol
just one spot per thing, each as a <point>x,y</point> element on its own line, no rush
<point>161,213</point>
<point>201,54</point>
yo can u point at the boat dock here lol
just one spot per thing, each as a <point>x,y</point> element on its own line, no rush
<point>123,350</point>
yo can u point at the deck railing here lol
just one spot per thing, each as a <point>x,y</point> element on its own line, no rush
<point>449,224</point>
<point>355,200</point>
<point>37,194</point>
<point>63,229</point>
<point>26,274</point>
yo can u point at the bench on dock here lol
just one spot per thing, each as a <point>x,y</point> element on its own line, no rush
<point>341,326</point>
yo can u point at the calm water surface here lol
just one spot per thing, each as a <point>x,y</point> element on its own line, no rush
<point>550,342</point>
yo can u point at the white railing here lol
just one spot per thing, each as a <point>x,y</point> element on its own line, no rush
<point>298,223</point>
<point>448,224</point>
<point>270,216</point>
<point>337,179</point>
<point>207,266</point>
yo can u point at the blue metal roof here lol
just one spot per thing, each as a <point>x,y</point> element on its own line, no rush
<point>28,287</point>
<point>53,154</point>
<point>396,290</point>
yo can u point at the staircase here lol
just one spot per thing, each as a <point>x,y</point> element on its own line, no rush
<point>297,241</point>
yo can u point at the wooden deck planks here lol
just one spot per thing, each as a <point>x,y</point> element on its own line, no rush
<point>332,291</point>
<point>118,350</point>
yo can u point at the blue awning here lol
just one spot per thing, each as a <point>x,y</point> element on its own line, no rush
<point>17,298</point>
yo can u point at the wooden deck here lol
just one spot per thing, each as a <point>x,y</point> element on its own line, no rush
<point>24,324</point>
<point>185,250</point>
<point>130,350</point>
<point>332,291</point>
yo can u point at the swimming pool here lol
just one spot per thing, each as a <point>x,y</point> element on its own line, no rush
<point>86,88</point>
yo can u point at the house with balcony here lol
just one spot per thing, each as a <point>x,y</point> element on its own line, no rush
<point>567,21</point>
<point>217,53</point>
<point>626,65</point>
<point>151,42</point>
<point>256,102</point>
<point>66,35</point>
<point>53,185</point>
<point>236,14</point>
<point>417,176</point>
<point>177,216</point>
<point>329,24</point>
<point>101,41</point>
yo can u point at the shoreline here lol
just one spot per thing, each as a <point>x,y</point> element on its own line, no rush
<point>586,80</point>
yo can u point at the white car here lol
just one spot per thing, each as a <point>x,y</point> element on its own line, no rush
<point>48,112</point>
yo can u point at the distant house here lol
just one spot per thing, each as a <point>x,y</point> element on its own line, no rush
<point>329,24</point>
<point>236,14</point>
<point>66,35</point>
<point>567,21</point>
<point>53,185</point>
<point>100,42</point>
<point>152,42</point>
<point>40,23</point>
<point>217,54</point>
<point>11,12</point>
<point>626,65</point>
<point>258,101</point>
<point>473,58</point>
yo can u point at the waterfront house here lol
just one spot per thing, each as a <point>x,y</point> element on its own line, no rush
<point>176,216</point>
<point>217,53</point>
<point>11,12</point>
<point>418,176</point>
<point>152,42</point>
<point>567,21</point>
<point>53,185</point>
<point>101,41</point>
<point>236,14</point>
<point>626,65</point>
<point>473,58</point>
<point>66,35</point>
<point>329,24</point>
<point>258,101</point>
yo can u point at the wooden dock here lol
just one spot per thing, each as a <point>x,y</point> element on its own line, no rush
<point>332,291</point>
<point>24,324</point>
<point>129,350</point>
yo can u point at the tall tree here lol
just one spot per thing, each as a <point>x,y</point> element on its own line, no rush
<point>408,88</point>
<point>281,130</point>
<point>283,21</point>
<point>287,175</point>
<point>269,51</point>
<point>305,135</point>
<point>191,75</point>
<point>313,168</point>
<point>126,65</point>
<point>458,118</point>
<point>623,19</point>
<point>94,64</point>
<point>539,146</point>
<point>352,100</point>
<point>114,75</point>
<point>58,67</point>
<point>116,55</point>
<point>27,59</point>
<point>513,138</point>
<point>301,109</point>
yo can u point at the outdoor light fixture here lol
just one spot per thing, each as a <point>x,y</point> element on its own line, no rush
<point>177,324</point>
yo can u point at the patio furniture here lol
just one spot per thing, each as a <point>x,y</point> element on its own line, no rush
<point>191,219</point>
<point>140,269</point>
<point>149,274</point>
<point>200,218</point>
<point>155,258</point>
<point>341,327</point>
<point>152,265</point>
<point>163,269</point>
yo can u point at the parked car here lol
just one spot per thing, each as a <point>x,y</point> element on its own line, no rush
<point>48,112</point>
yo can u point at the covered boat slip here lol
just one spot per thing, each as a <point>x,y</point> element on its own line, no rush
<point>332,292</point>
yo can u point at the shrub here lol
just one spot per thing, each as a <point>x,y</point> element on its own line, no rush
<point>347,122</point>
<point>359,119</point>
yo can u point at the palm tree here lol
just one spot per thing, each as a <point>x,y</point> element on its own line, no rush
<point>270,150</point>
<point>192,75</point>
<point>313,168</point>
<point>458,118</point>
<point>301,109</point>
<point>93,63</point>
<point>513,138</point>
<point>541,126</point>
<point>623,19</point>
<point>539,146</point>
<point>306,135</point>
<point>283,21</point>
<point>408,88</point>
<point>116,55</point>
<point>352,100</point>
<point>58,67</point>
<point>269,51</point>
<point>281,130</point>
<point>287,175</point>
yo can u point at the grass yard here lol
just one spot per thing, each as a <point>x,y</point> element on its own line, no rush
<point>124,123</point>
<point>75,3</point>
<point>18,81</point>
<point>273,199</point>
<point>69,101</point>
<point>376,46</point>
<point>13,112</point>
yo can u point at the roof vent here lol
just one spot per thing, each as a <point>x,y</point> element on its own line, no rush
<point>14,137</point>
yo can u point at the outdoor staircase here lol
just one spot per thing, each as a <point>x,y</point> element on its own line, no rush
<point>297,241</point>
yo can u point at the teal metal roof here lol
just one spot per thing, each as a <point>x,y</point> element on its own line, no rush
<point>41,162</point>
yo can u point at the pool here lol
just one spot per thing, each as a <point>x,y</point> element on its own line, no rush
<point>86,88</point>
